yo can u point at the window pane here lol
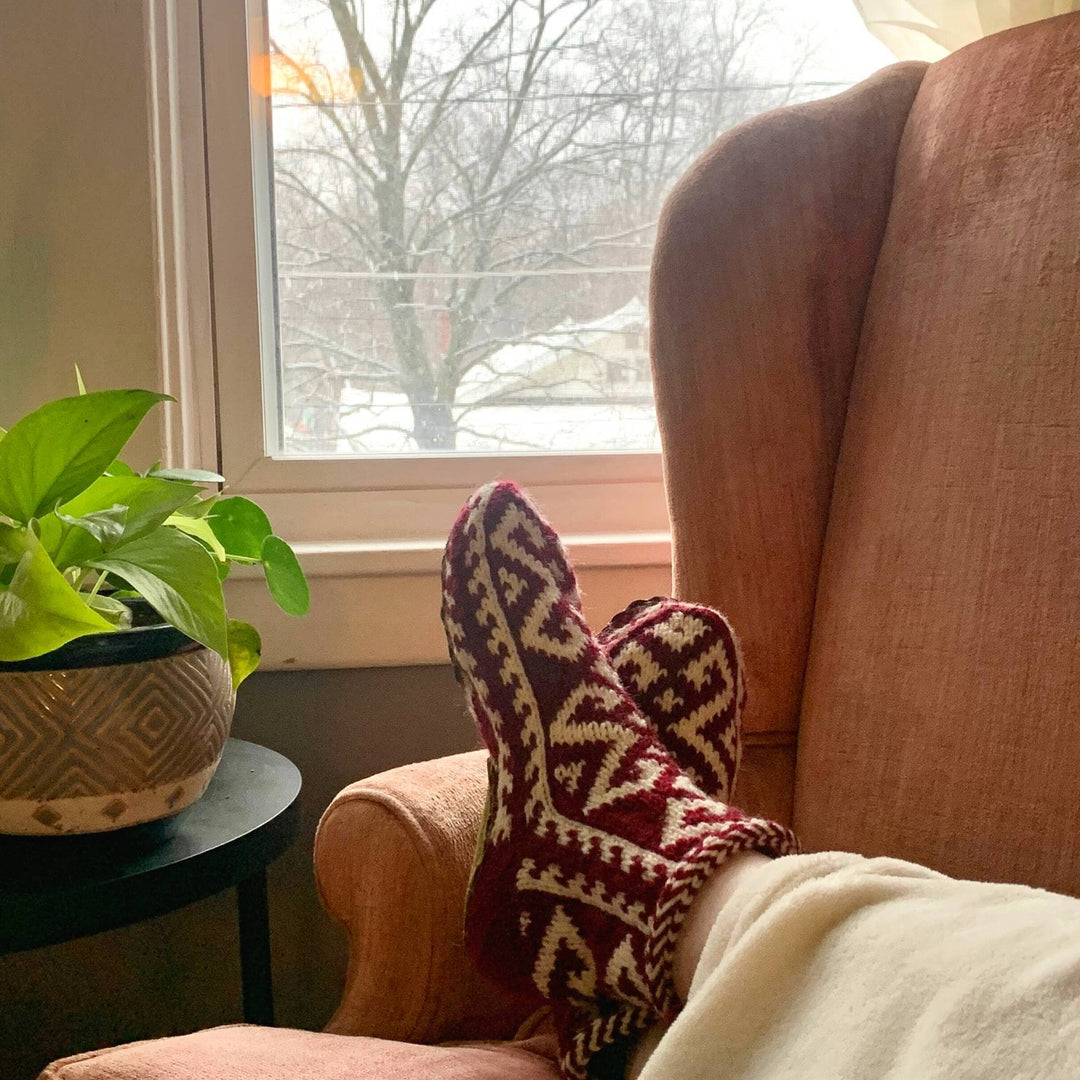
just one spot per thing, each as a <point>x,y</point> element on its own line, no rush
<point>465,200</point>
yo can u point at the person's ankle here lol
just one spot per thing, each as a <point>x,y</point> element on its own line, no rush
<point>714,895</point>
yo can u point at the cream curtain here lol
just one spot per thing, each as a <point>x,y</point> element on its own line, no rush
<point>930,29</point>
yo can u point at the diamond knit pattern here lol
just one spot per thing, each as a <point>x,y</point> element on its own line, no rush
<point>596,842</point>
<point>123,728</point>
<point>681,664</point>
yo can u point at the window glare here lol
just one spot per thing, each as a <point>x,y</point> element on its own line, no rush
<point>465,198</point>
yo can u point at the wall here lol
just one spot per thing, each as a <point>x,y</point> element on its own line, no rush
<point>76,258</point>
<point>181,971</point>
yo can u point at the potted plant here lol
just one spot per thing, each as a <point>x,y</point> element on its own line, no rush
<point>118,662</point>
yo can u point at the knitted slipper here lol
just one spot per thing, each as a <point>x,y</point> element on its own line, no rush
<point>681,664</point>
<point>596,842</point>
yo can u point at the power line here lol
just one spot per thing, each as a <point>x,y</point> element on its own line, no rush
<point>449,275</point>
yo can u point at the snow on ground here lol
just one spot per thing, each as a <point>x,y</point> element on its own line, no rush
<point>527,360</point>
<point>379,423</point>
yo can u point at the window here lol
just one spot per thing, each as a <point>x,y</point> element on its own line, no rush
<point>416,234</point>
<point>466,194</point>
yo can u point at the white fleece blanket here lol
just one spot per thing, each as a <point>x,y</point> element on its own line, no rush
<point>835,967</point>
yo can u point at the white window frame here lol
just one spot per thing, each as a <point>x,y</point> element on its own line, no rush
<point>369,531</point>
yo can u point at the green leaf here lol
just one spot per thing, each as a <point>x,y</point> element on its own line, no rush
<point>78,380</point>
<point>284,578</point>
<point>245,650</point>
<point>12,544</point>
<point>118,468</point>
<point>199,507</point>
<point>108,607</point>
<point>56,451</point>
<point>105,526</point>
<point>241,526</point>
<point>50,531</point>
<point>149,501</point>
<point>40,611</point>
<point>197,476</point>
<point>200,529</point>
<point>177,576</point>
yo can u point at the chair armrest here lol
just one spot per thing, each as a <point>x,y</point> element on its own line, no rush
<point>392,860</point>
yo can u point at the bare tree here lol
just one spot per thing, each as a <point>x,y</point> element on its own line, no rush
<point>440,204</point>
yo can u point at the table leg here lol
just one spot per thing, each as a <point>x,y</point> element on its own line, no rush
<point>255,950</point>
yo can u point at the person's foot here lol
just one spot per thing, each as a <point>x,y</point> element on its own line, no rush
<point>596,841</point>
<point>681,664</point>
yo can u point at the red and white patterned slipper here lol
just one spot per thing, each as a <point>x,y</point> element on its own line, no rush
<point>596,842</point>
<point>681,664</point>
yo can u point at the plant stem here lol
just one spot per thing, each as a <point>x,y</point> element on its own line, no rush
<point>97,585</point>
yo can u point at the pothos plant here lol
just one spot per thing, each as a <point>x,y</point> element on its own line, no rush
<point>80,532</point>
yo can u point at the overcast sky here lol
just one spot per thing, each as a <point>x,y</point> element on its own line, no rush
<point>844,49</point>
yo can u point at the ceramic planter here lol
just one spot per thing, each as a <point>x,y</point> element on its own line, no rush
<point>109,731</point>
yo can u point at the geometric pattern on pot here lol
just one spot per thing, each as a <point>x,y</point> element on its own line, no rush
<point>123,728</point>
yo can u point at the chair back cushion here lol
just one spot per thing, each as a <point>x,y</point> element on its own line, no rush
<point>763,262</point>
<point>941,711</point>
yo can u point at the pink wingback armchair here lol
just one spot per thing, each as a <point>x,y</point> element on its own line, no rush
<point>866,342</point>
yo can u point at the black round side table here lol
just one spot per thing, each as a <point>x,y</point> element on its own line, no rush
<point>56,888</point>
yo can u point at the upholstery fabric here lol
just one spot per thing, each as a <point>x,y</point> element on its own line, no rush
<point>392,861</point>
<point>763,262</point>
<point>254,1053</point>
<point>940,716</point>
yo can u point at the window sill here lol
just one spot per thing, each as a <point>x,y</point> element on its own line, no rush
<point>377,604</point>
